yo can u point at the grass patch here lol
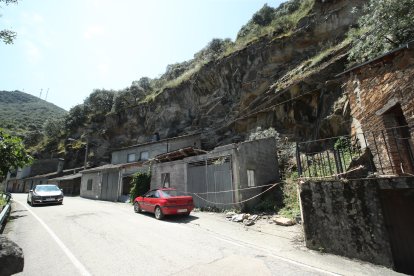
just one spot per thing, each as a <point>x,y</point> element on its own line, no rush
<point>290,197</point>
<point>309,66</point>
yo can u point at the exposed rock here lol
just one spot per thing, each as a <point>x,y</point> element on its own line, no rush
<point>361,167</point>
<point>11,257</point>
<point>248,222</point>
<point>238,218</point>
<point>230,214</point>
<point>253,217</point>
<point>228,98</point>
<point>283,221</point>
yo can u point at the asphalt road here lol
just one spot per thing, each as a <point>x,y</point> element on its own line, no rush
<point>87,237</point>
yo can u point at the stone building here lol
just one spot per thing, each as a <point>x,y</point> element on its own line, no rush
<point>381,98</point>
<point>371,218</point>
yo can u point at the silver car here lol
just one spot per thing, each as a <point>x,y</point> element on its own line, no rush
<point>45,194</point>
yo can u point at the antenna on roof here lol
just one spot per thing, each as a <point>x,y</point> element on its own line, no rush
<point>47,93</point>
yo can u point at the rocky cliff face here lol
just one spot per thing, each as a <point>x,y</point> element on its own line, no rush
<point>283,82</point>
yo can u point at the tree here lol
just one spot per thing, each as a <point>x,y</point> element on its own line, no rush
<point>384,25</point>
<point>12,154</point>
<point>53,127</point>
<point>100,101</point>
<point>6,35</point>
<point>264,16</point>
<point>141,183</point>
<point>75,118</point>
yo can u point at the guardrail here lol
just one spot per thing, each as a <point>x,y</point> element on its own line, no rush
<point>6,210</point>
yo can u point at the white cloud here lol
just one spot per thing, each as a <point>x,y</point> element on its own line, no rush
<point>93,31</point>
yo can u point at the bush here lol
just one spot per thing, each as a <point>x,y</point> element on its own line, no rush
<point>140,184</point>
<point>290,198</point>
<point>385,25</point>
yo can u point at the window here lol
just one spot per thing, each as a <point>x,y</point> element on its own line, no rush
<point>165,180</point>
<point>131,157</point>
<point>89,185</point>
<point>143,155</point>
<point>250,178</point>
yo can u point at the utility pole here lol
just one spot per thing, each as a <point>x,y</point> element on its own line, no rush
<point>47,93</point>
<point>41,90</point>
<point>86,154</point>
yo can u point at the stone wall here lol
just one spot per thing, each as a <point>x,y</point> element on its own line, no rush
<point>381,97</point>
<point>346,217</point>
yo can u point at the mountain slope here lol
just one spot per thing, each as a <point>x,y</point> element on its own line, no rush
<point>21,112</point>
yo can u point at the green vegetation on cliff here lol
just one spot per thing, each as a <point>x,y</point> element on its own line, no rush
<point>385,25</point>
<point>22,113</point>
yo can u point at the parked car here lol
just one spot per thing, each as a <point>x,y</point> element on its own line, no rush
<point>45,194</point>
<point>165,201</point>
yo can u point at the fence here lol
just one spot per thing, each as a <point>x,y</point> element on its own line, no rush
<point>381,152</point>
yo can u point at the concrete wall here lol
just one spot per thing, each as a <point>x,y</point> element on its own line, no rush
<point>177,171</point>
<point>346,217</point>
<point>40,167</point>
<point>261,157</point>
<point>155,148</point>
<point>95,193</point>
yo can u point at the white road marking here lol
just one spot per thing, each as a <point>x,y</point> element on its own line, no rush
<point>73,259</point>
<point>234,243</point>
<point>270,254</point>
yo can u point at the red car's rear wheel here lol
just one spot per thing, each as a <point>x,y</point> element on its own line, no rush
<point>158,213</point>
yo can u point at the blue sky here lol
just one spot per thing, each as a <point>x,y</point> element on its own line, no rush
<point>74,46</point>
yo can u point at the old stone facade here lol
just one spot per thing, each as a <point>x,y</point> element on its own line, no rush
<point>381,98</point>
<point>367,219</point>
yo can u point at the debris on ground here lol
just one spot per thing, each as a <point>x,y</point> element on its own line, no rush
<point>283,221</point>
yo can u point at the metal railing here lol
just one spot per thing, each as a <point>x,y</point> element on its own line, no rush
<point>380,152</point>
<point>5,211</point>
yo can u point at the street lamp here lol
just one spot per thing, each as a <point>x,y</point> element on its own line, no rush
<point>86,151</point>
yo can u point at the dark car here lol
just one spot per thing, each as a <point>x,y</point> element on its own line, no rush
<point>164,201</point>
<point>45,194</point>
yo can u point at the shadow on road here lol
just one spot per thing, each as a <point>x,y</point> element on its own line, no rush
<point>17,214</point>
<point>172,218</point>
<point>46,205</point>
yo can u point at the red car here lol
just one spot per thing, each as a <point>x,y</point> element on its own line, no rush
<point>165,201</point>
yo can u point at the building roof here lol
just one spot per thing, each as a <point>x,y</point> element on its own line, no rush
<point>113,167</point>
<point>159,141</point>
<point>178,154</point>
<point>409,45</point>
<point>67,177</point>
<point>103,168</point>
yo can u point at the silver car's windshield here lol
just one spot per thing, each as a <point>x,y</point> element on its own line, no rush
<point>48,188</point>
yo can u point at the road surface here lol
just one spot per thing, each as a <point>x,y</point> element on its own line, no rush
<point>88,237</point>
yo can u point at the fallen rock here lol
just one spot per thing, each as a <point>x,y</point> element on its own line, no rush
<point>248,222</point>
<point>230,214</point>
<point>11,257</point>
<point>253,217</point>
<point>238,218</point>
<point>283,221</point>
